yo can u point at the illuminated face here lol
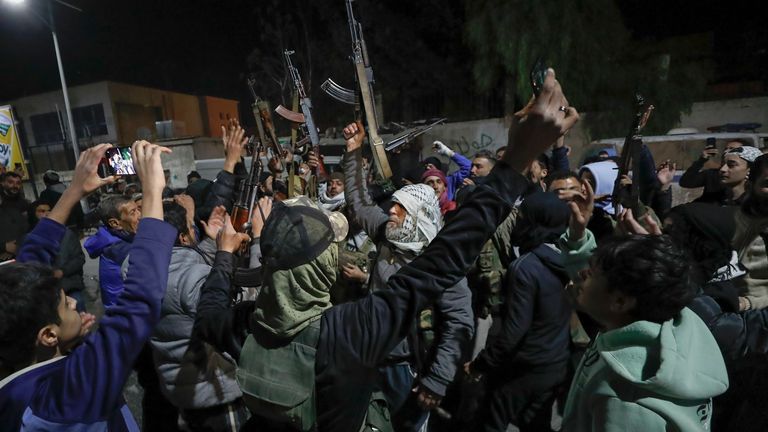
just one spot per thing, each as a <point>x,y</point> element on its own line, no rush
<point>734,170</point>
<point>536,172</point>
<point>335,187</point>
<point>397,215</point>
<point>42,211</point>
<point>481,167</point>
<point>566,188</point>
<point>129,217</point>
<point>12,185</point>
<point>436,183</point>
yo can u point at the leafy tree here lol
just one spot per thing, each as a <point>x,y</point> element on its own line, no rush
<point>597,63</point>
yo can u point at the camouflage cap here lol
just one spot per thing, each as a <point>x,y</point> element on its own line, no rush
<point>297,232</point>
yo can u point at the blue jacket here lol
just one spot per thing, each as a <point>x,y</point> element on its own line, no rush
<point>112,249</point>
<point>83,391</point>
<point>456,180</point>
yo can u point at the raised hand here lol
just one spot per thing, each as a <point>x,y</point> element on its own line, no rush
<point>84,181</point>
<point>666,174</point>
<point>149,167</point>
<point>234,143</point>
<point>539,125</point>
<point>229,240</point>
<point>582,206</point>
<point>215,222</point>
<point>442,149</point>
<point>354,134</point>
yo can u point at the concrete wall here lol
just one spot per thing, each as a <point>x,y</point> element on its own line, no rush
<point>216,112</point>
<point>715,113</point>
<point>79,96</point>
<point>139,107</point>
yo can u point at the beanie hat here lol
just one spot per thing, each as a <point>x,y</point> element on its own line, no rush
<point>434,173</point>
<point>434,161</point>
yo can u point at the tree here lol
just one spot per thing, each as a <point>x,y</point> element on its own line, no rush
<point>590,48</point>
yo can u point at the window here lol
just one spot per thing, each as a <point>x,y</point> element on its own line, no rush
<point>89,121</point>
<point>47,129</point>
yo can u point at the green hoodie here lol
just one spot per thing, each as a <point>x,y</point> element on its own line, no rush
<point>645,376</point>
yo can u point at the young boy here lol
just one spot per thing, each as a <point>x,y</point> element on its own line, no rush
<point>49,382</point>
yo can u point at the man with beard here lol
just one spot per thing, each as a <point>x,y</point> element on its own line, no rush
<point>331,196</point>
<point>13,215</point>
<point>400,236</point>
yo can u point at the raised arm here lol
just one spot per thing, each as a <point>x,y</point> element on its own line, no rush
<point>375,324</point>
<point>371,217</point>
<point>127,325</point>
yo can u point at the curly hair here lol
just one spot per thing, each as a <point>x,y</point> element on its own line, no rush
<point>29,300</point>
<point>652,269</point>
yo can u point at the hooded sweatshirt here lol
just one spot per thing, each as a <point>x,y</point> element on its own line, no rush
<point>112,249</point>
<point>648,377</point>
<point>644,376</point>
<point>604,174</point>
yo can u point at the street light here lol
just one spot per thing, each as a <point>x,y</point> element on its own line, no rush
<point>52,26</point>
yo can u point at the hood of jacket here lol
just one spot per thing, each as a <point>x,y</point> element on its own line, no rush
<point>678,359</point>
<point>98,243</point>
<point>552,258</point>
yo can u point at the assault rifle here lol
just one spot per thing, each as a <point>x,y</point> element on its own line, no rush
<point>364,78</point>
<point>629,196</point>
<point>410,135</point>
<point>242,210</point>
<point>304,117</point>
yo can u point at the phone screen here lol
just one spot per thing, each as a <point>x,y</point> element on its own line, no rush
<point>120,161</point>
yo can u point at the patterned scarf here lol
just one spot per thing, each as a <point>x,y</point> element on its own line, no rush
<point>422,221</point>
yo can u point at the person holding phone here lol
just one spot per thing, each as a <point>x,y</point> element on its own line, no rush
<point>704,172</point>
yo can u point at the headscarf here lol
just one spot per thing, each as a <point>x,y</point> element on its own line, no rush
<point>422,221</point>
<point>331,203</point>
<point>446,205</point>
<point>605,174</point>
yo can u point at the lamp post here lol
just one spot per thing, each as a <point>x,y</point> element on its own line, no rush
<point>52,26</point>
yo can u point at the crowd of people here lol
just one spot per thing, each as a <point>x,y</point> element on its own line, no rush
<point>512,291</point>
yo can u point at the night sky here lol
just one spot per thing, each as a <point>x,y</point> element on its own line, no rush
<point>201,46</point>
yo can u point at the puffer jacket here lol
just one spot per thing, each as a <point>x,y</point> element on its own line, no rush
<point>192,375</point>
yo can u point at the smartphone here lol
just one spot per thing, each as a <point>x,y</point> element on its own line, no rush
<point>538,73</point>
<point>119,162</point>
<point>711,143</point>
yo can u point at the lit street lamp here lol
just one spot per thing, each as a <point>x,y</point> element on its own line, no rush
<point>52,26</point>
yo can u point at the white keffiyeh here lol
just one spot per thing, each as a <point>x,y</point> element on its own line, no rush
<point>330,203</point>
<point>422,221</point>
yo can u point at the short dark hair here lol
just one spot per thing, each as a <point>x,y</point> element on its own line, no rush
<point>109,207</point>
<point>543,161</point>
<point>487,155</point>
<point>29,300</point>
<point>176,216</point>
<point>11,174</point>
<point>561,175</point>
<point>652,269</point>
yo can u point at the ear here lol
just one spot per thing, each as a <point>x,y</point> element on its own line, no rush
<point>621,303</point>
<point>544,173</point>
<point>48,336</point>
<point>184,239</point>
<point>113,223</point>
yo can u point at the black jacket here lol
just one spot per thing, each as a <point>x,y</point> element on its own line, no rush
<point>535,326</point>
<point>355,337</point>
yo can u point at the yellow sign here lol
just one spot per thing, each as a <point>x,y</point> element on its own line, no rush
<point>11,157</point>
